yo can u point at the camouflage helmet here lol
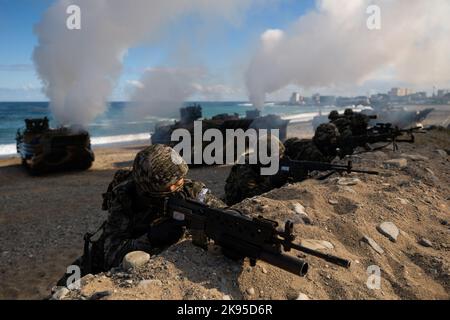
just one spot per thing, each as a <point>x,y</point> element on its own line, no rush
<point>326,134</point>
<point>157,167</point>
<point>348,112</point>
<point>333,115</point>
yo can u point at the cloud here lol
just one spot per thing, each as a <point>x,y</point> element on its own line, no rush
<point>332,47</point>
<point>80,68</point>
<point>135,83</point>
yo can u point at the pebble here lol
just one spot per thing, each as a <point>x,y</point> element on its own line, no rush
<point>251,291</point>
<point>442,153</point>
<point>425,242</point>
<point>333,202</point>
<point>348,181</point>
<point>298,208</point>
<point>301,211</point>
<point>373,244</point>
<point>145,283</point>
<point>389,230</point>
<point>317,244</point>
<point>135,259</point>
<point>302,296</point>
<point>264,270</point>
<point>396,163</point>
<point>403,201</point>
<point>60,294</point>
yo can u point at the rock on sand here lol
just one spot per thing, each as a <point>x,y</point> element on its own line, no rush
<point>373,244</point>
<point>396,163</point>
<point>135,259</point>
<point>389,230</point>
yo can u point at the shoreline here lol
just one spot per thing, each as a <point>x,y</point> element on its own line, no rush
<point>302,119</point>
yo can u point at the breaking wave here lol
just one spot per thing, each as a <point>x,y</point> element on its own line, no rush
<point>7,150</point>
<point>120,139</point>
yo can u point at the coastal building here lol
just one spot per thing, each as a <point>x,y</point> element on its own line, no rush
<point>296,99</point>
<point>316,99</point>
<point>442,92</point>
<point>400,92</point>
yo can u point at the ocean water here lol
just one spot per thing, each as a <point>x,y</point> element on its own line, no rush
<point>113,127</point>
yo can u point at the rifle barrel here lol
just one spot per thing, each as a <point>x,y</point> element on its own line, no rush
<point>285,262</point>
<point>327,257</point>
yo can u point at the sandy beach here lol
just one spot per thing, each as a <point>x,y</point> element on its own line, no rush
<point>43,219</point>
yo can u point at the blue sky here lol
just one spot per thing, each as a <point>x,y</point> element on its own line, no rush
<point>220,54</point>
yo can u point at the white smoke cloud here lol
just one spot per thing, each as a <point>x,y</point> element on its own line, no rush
<point>79,68</point>
<point>161,91</point>
<point>331,47</point>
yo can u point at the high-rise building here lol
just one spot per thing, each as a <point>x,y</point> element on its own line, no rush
<point>296,98</point>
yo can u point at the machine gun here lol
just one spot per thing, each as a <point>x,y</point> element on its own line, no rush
<point>241,236</point>
<point>386,132</point>
<point>298,168</point>
<point>382,132</point>
<point>389,128</point>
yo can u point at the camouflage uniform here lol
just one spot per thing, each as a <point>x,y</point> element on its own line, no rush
<point>134,224</point>
<point>322,148</point>
<point>126,228</point>
<point>245,180</point>
<point>359,123</point>
<point>349,125</point>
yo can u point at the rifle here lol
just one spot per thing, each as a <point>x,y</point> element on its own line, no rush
<point>382,132</point>
<point>241,236</point>
<point>388,128</point>
<point>294,167</point>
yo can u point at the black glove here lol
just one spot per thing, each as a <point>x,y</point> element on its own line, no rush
<point>165,232</point>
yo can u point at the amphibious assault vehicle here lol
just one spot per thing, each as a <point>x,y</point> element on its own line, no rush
<point>221,122</point>
<point>43,149</point>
